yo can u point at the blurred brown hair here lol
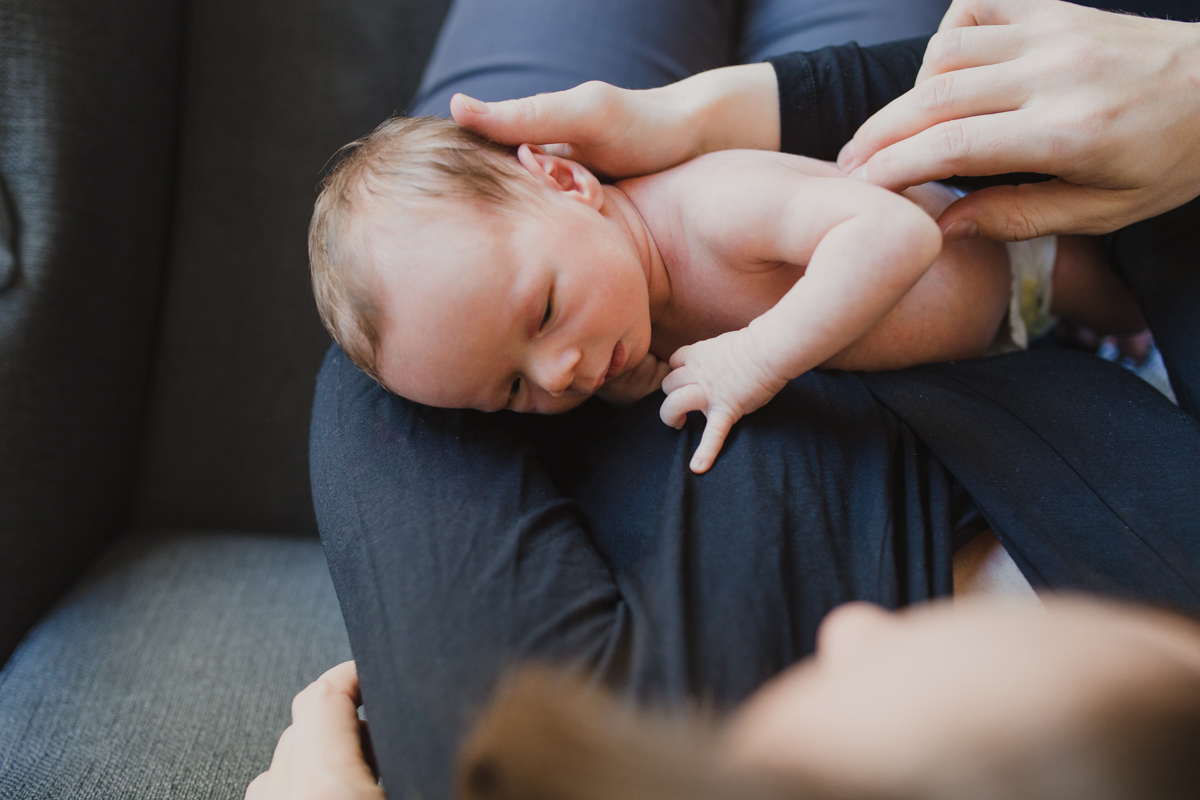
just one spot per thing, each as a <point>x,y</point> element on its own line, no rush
<point>404,161</point>
<point>550,736</point>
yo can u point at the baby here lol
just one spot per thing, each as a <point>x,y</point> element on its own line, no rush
<point>463,274</point>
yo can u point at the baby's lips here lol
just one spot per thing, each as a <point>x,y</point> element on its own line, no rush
<point>617,363</point>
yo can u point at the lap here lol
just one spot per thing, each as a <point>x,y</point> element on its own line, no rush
<point>775,27</point>
<point>461,542</point>
<point>501,49</point>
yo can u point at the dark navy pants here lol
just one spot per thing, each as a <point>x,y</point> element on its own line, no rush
<point>461,542</point>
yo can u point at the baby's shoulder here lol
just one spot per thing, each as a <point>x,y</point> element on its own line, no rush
<point>757,165</point>
<point>732,179</point>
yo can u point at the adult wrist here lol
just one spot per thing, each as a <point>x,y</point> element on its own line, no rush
<point>736,108</point>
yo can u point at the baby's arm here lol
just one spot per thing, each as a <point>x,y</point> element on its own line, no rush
<point>864,247</point>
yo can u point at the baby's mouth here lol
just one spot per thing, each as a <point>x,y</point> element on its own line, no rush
<point>617,362</point>
<point>614,366</point>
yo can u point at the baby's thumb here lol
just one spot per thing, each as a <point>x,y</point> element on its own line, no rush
<point>1030,210</point>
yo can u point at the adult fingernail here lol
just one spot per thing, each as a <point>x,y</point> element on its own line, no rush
<point>860,173</point>
<point>846,157</point>
<point>961,229</point>
<point>473,105</point>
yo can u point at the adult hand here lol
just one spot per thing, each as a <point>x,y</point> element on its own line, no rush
<point>1107,102</point>
<point>624,132</point>
<point>320,757</point>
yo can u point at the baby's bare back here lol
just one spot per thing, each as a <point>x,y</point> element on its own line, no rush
<point>713,221</point>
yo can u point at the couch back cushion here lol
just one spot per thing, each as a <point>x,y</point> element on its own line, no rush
<point>87,136</point>
<point>270,91</point>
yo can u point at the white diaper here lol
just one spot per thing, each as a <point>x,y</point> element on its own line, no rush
<point>1029,316</point>
<point>1032,264</point>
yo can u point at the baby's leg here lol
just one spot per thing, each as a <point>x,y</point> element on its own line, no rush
<point>952,313</point>
<point>501,49</point>
<point>1085,289</point>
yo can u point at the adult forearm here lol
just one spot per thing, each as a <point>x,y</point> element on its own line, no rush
<point>734,107</point>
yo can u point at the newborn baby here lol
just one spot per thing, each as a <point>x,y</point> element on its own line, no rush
<point>463,274</point>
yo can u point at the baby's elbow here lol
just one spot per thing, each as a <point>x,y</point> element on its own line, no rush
<point>922,235</point>
<point>914,237</point>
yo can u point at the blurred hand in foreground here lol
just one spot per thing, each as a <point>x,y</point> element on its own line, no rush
<point>320,756</point>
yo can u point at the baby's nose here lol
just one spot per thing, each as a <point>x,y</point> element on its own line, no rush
<point>559,372</point>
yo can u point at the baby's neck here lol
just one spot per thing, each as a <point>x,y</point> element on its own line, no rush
<point>621,211</point>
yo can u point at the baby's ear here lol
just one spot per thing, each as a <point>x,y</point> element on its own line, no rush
<point>562,175</point>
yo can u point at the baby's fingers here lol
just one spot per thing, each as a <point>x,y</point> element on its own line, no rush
<point>676,379</point>
<point>679,357</point>
<point>715,430</point>
<point>679,402</point>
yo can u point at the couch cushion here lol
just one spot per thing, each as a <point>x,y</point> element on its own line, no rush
<point>271,91</point>
<point>87,124</point>
<point>168,672</point>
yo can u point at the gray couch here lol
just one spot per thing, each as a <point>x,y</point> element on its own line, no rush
<point>162,591</point>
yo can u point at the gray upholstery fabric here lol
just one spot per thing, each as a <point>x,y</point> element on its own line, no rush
<point>169,672</point>
<point>271,91</point>
<point>87,135</point>
<point>158,347</point>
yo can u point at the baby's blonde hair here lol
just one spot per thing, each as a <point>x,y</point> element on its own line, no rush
<point>401,162</point>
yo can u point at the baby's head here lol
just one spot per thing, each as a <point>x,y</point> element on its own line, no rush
<point>461,273</point>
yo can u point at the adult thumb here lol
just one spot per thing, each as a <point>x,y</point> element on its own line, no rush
<point>1030,210</point>
<point>544,119</point>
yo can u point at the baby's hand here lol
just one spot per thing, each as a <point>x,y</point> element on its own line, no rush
<point>629,387</point>
<point>726,379</point>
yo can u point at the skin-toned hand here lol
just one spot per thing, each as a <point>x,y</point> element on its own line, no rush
<point>645,378</point>
<point>320,757</point>
<point>624,132</point>
<point>725,378</point>
<point>1109,103</point>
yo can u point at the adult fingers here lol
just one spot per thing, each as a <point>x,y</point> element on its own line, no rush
<point>580,114</point>
<point>966,13</point>
<point>716,429</point>
<point>331,694</point>
<point>950,96</point>
<point>1015,213</point>
<point>675,408</point>
<point>963,48</point>
<point>325,716</point>
<point>988,145</point>
<point>258,787</point>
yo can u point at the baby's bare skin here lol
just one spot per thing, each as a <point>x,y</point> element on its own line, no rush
<point>734,273</point>
<point>702,215</point>
<point>777,264</point>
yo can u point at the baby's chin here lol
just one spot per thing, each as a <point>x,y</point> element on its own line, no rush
<point>561,405</point>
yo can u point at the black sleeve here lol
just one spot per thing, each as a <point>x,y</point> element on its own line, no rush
<point>826,94</point>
